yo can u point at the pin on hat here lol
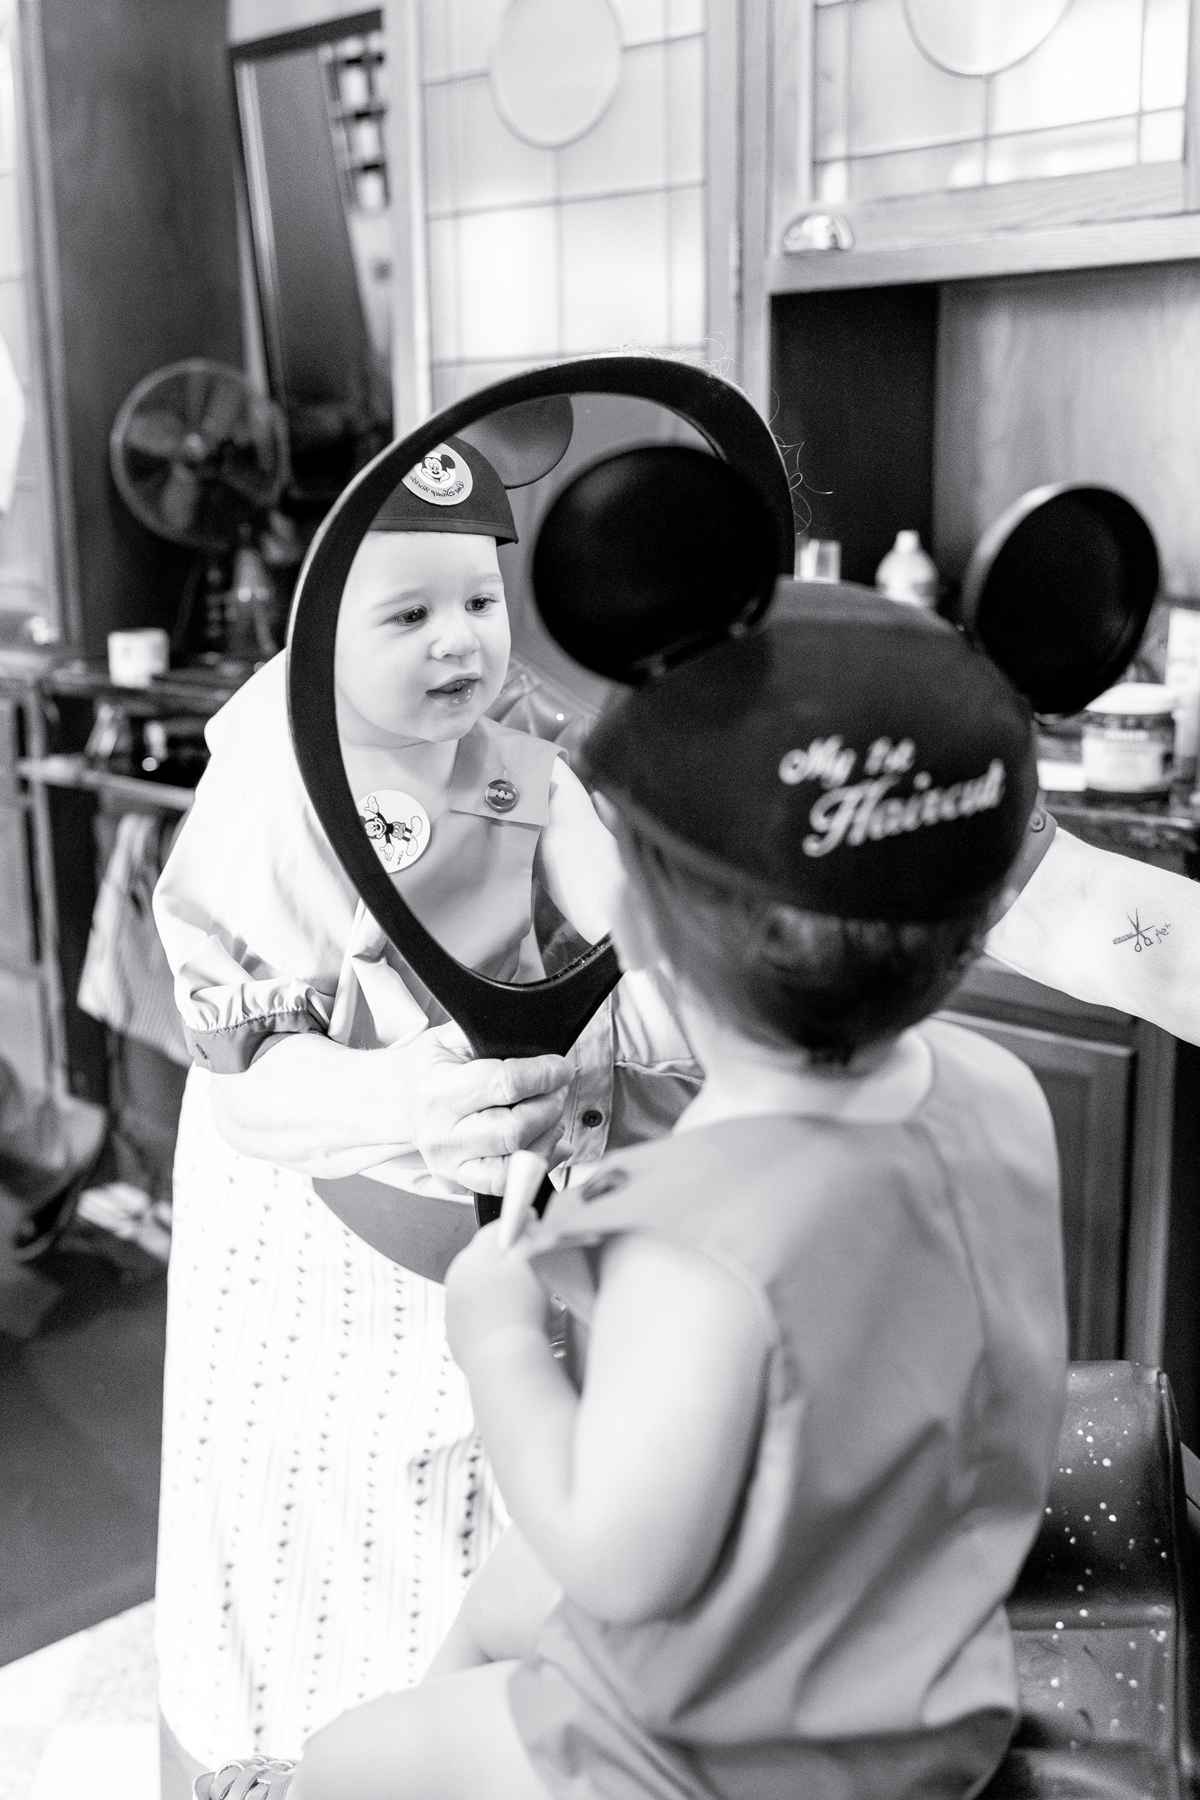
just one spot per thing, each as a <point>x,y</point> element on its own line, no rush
<point>461,485</point>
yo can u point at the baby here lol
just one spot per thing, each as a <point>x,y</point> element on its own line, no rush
<point>771,1507</point>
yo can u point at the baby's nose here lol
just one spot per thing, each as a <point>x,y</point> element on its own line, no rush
<point>457,638</point>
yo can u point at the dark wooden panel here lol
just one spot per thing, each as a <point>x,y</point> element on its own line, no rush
<point>852,382</point>
<point>1087,1086</point>
<point>141,164</point>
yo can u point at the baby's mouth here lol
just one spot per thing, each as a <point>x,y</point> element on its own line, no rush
<point>458,689</point>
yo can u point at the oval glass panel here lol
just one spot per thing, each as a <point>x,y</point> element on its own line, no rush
<point>555,68</point>
<point>981,37</point>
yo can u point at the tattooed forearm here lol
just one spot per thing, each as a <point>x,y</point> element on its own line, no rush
<point>1142,937</point>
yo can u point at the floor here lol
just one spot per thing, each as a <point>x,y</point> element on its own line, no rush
<point>81,1349</point>
<point>80,1717</point>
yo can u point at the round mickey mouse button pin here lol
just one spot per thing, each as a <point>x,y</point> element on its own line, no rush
<point>501,795</point>
<point>397,825</point>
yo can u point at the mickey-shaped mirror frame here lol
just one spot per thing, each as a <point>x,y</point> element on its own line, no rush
<point>499,1018</point>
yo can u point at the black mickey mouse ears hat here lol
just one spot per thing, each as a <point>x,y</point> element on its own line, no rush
<point>460,485</point>
<point>851,756</point>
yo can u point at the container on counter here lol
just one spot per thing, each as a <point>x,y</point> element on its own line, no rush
<point>818,559</point>
<point>907,572</point>
<point>1129,740</point>
<point>1182,677</point>
<point>136,657</point>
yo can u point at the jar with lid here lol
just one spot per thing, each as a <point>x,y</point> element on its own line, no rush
<point>1129,740</point>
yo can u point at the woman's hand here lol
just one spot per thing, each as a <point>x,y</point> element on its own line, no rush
<point>490,1292</point>
<point>468,1114</point>
<point>327,1110</point>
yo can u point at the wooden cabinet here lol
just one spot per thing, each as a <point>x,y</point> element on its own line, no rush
<point>1122,1095</point>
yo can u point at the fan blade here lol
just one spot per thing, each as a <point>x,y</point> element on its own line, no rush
<point>221,414</point>
<point>180,497</point>
<point>155,434</point>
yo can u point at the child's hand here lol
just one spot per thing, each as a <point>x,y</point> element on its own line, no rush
<point>489,1291</point>
<point>468,1114</point>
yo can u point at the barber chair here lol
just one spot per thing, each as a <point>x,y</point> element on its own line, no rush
<point>1104,1615</point>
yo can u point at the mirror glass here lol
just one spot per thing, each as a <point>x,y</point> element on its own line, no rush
<point>981,37</point>
<point>438,626</point>
<point>311,107</point>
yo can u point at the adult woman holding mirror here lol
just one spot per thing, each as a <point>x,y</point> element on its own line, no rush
<point>324,1496</point>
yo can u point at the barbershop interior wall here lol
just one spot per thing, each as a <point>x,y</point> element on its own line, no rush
<point>1087,376</point>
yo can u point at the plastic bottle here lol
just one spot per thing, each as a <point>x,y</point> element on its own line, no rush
<point>907,573</point>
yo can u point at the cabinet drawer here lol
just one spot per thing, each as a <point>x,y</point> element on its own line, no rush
<point>17,940</point>
<point>24,1040</point>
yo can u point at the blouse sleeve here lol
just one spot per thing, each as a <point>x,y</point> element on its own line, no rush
<point>252,907</point>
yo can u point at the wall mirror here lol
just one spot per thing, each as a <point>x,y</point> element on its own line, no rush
<point>537,432</point>
<point>310,110</point>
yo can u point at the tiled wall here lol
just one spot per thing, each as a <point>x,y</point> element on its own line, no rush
<point>536,253</point>
<point>25,560</point>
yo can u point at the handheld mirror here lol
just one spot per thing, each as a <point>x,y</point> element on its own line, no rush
<point>692,555</point>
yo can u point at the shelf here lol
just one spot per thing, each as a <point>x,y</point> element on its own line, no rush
<point>201,692</point>
<point>75,772</point>
<point>1171,239</point>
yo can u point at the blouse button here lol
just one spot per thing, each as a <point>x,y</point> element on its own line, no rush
<point>501,795</point>
<point>591,1118</point>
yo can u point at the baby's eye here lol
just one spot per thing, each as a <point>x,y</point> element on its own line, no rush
<point>480,603</point>
<point>412,615</point>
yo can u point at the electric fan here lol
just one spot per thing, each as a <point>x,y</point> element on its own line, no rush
<point>197,454</point>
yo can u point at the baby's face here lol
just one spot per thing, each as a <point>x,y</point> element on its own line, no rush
<point>422,637</point>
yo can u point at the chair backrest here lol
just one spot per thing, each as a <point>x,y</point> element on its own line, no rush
<point>1104,1614</point>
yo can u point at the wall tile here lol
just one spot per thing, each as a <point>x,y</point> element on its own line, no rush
<point>441,147</point>
<point>641,21</point>
<point>628,148</point>
<point>435,39</point>
<point>1073,150</point>
<point>496,168</point>
<point>615,273</point>
<point>472,26</point>
<point>1086,69</point>
<point>899,100</point>
<point>831,75</point>
<point>443,289</point>
<point>685,161</point>
<point>508,291</point>
<point>1160,136</point>
<point>685,15</point>
<point>1164,54</point>
<point>687,266</point>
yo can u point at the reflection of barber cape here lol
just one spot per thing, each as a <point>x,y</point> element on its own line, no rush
<point>471,889</point>
<point>267,935</point>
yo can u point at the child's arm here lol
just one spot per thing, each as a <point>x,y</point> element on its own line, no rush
<point>577,858</point>
<point>503,1609</point>
<point>626,1492</point>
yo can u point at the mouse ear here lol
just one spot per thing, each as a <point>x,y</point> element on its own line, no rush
<point>524,442</point>
<point>648,556</point>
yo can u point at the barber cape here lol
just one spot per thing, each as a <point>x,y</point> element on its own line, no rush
<point>266,935</point>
